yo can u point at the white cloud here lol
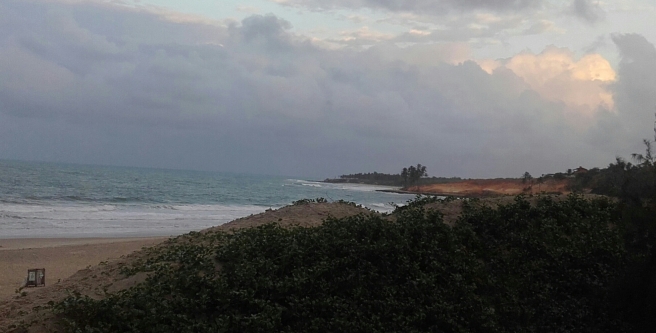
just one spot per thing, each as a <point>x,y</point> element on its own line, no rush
<point>362,36</point>
<point>556,75</point>
<point>248,9</point>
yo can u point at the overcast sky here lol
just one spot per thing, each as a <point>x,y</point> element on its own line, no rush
<point>319,88</point>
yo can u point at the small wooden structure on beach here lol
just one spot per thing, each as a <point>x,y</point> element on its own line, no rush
<point>36,277</point>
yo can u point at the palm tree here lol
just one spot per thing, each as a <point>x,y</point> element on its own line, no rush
<point>647,159</point>
<point>412,174</point>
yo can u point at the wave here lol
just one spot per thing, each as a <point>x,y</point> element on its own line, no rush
<point>103,220</point>
<point>341,186</point>
<point>199,207</point>
<point>9,216</point>
<point>102,200</point>
<point>91,213</point>
<point>31,199</point>
<point>382,205</point>
<point>302,182</point>
<point>52,208</point>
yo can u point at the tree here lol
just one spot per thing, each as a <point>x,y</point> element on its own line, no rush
<point>421,171</point>
<point>527,177</point>
<point>412,174</point>
<point>647,159</point>
<point>646,171</point>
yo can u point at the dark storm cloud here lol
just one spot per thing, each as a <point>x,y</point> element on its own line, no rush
<point>588,10</point>
<point>635,90</point>
<point>98,83</point>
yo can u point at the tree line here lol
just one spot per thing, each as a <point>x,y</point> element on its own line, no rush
<point>409,176</point>
<point>412,174</point>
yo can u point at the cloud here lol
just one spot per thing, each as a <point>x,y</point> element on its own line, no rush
<point>107,84</point>
<point>360,37</point>
<point>426,21</point>
<point>600,42</point>
<point>434,7</point>
<point>556,75</point>
<point>588,10</point>
<point>539,28</point>
<point>474,28</point>
<point>248,9</point>
<point>422,55</point>
<point>635,89</point>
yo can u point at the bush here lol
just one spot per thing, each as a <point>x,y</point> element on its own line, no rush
<point>517,268</point>
<point>553,266</point>
<point>302,202</point>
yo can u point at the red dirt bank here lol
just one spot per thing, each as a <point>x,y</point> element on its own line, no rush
<point>492,187</point>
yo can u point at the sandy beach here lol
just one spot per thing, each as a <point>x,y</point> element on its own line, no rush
<point>61,257</point>
<point>76,261</point>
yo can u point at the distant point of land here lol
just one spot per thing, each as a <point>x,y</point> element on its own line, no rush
<point>410,181</point>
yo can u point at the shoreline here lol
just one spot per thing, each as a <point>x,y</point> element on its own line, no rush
<point>454,195</point>
<point>402,191</point>
<point>58,234</point>
<point>443,194</point>
<point>7,244</point>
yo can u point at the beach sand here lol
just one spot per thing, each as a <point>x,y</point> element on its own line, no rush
<point>61,257</point>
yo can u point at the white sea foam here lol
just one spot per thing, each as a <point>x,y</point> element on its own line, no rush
<point>302,182</point>
<point>365,188</point>
<point>114,220</point>
<point>381,207</point>
<point>342,186</point>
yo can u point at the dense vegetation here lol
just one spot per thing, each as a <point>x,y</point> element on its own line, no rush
<point>556,266</point>
<point>412,175</point>
<point>374,178</point>
<point>634,184</point>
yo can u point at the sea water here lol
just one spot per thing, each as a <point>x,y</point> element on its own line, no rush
<point>66,200</point>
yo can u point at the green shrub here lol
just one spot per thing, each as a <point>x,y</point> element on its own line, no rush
<point>308,201</point>
<point>517,268</point>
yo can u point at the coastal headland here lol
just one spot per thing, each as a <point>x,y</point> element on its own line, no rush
<point>482,188</point>
<point>415,180</point>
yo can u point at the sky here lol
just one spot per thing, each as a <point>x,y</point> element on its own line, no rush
<point>319,88</point>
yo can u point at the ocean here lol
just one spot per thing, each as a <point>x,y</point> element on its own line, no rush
<point>50,200</point>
